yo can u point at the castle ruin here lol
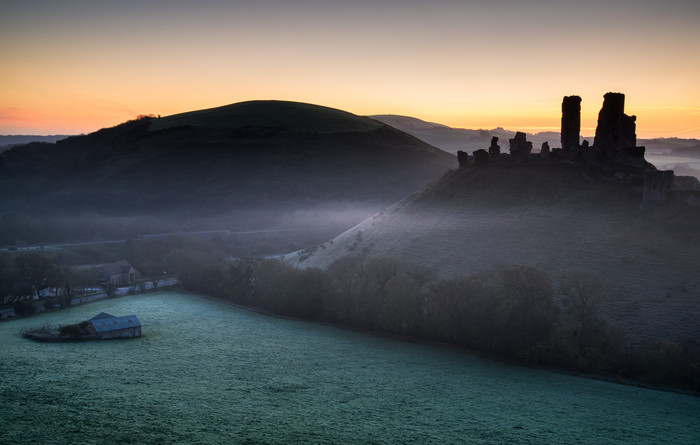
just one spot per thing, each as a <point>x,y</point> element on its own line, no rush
<point>614,152</point>
<point>615,130</point>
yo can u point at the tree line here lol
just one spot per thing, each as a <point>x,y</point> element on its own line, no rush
<point>517,312</point>
<point>25,275</point>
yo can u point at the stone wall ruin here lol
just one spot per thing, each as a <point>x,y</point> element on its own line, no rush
<point>520,147</point>
<point>616,130</point>
<point>657,186</point>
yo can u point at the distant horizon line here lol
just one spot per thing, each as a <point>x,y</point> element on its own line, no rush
<point>524,130</point>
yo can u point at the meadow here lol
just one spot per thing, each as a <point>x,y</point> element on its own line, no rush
<point>209,372</point>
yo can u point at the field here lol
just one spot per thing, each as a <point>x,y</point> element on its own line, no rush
<point>207,372</point>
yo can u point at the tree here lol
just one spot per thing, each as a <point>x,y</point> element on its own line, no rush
<point>196,270</point>
<point>464,310</point>
<point>527,312</point>
<point>7,278</point>
<point>267,282</point>
<point>238,281</point>
<point>402,311</point>
<point>307,293</point>
<point>345,276</point>
<point>584,293</point>
<point>23,308</point>
<point>34,269</point>
<point>371,293</point>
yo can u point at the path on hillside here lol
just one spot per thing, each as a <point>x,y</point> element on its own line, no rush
<point>212,233</point>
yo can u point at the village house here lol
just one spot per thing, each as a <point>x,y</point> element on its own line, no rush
<point>117,273</point>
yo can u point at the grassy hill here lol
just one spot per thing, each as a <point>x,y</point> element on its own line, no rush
<point>554,217</point>
<point>270,114</point>
<point>243,165</point>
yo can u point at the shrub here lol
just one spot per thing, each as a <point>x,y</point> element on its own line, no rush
<point>23,308</point>
<point>71,329</point>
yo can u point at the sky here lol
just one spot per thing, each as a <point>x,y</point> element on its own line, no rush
<point>75,66</point>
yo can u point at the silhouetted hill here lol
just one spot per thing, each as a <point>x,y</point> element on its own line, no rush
<point>270,159</point>
<point>552,216</point>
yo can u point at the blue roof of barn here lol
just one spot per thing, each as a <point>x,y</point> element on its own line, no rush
<point>102,315</point>
<point>115,323</point>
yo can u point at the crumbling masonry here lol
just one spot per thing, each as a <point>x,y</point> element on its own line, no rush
<point>614,152</point>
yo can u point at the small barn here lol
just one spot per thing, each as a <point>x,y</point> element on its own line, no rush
<point>106,326</point>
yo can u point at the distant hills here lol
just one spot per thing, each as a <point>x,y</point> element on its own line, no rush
<point>450,139</point>
<point>9,141</point>
<point>251,164</point>
<point>454,139</point>
<point>692,151</point>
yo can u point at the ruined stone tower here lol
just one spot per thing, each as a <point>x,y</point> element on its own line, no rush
<point>462,158</point>
<point>616,130</point>
<point>570,123</point>
<point>494,149</point>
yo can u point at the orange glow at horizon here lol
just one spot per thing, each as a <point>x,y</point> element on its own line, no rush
<point>87,116</point>
<point>76,67</point>
<point>82,115</point>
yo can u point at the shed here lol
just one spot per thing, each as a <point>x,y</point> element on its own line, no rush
<point>105,326</point>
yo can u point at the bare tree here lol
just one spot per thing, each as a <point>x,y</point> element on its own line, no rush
<point>584,293</point>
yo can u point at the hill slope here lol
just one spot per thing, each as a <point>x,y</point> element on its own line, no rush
<point>266,158</point>
<point>455,139</point>
<point>553,217</point>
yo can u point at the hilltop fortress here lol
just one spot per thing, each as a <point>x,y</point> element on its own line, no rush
<point>614,152</point>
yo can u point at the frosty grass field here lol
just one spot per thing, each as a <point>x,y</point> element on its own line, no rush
<point>207,372</point>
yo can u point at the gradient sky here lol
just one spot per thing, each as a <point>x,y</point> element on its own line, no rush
<point>74,66</point>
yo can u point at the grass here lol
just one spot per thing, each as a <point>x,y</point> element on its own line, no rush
<point>207,372</point>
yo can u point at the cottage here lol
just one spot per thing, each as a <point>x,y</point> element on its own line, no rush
<point>117,273</point>
<point>105,326</point>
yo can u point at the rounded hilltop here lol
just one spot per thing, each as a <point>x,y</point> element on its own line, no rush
<point>271,114</point>
<point>251,164</point>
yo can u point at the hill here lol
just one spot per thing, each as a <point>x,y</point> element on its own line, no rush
<point>553,216</point>
<point>243,165</point>
<point>691,152</point>
<point>9,141</point>
<point>455,139</point>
